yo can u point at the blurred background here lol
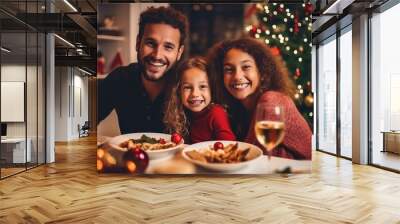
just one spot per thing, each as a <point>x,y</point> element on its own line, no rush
<point>284,27</point>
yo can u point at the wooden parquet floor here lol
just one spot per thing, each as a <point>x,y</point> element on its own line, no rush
<point>71,191</point>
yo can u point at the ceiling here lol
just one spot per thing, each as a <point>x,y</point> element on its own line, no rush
<point>337,14</point>
<point>73,20</point>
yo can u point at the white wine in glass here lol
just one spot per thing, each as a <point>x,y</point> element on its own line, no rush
<point>269,126</point>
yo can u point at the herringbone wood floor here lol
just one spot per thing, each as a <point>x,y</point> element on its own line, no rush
<point>71,191</point>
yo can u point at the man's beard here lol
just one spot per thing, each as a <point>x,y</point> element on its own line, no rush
<point>142,65</point>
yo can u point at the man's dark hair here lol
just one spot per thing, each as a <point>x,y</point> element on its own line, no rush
<point>165,15</point>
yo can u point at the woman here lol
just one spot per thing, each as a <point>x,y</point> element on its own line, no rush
<point>252,75</point>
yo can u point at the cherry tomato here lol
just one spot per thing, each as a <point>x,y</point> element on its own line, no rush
<point>162,141</point>
<point>218,145</point>
<point>176,138</point>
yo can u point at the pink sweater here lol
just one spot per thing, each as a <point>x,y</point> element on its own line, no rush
<point>297,141</point>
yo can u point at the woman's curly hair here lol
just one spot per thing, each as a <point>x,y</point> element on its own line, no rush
<point>175,118</point>
<point>273,72</point>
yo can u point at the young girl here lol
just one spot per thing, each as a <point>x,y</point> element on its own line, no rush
<point>250,75</point>
<point>190,110</point>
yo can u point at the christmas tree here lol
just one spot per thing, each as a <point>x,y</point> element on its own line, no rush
<point>286,28</point>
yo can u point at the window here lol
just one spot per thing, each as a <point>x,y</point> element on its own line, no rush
<point>385,88</point>
<point>327,96</point>
<point>346,93</point>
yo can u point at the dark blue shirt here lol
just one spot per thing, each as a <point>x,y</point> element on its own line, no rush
<point>123,91</point>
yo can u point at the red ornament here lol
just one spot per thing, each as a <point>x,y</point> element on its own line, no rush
<point>101,61</point>
<point>309,8</point>
<point>298,72</point>
<point>254,29</point>
<point>275,51</point>
<point>136,160</point>
<point>296,23</point>
<point>280,9</point>
<point>117,61</point>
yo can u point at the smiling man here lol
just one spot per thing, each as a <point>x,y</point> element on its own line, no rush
<point>137,91</point>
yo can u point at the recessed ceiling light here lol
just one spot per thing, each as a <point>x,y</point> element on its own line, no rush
<point>64,40</point>
<point>5,50</point>
<point>70,5</point>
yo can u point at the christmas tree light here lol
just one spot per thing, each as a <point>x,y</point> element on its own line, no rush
<point>287,29</point>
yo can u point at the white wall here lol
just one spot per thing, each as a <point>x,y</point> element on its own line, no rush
<point>71,87</point>
<point>33,127</point>
<point>13,73</point>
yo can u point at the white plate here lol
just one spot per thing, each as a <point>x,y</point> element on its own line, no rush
<point>153,154</point>
<point>254,153</point>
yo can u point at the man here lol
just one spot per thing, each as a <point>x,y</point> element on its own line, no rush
<point>137,91</point>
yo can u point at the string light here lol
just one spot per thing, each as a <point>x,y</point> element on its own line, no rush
<point>281,33</point>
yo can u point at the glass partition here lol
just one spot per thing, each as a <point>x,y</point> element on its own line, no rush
<point>326,132</point>
<point>13,92</point>
<point>22,90</point>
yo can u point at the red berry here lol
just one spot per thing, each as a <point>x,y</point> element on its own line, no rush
<point>176,138</point>
<point>218,145</point>
<point>162,141</point>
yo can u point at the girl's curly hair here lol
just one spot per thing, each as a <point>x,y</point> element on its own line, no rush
<point>175,118</point>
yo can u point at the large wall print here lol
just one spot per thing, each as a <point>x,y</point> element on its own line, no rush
<point>204,88</point>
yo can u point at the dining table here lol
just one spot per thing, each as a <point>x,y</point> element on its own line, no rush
<point>176,164</point>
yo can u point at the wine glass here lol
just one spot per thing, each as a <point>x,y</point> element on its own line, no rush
<point>269,126</point>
